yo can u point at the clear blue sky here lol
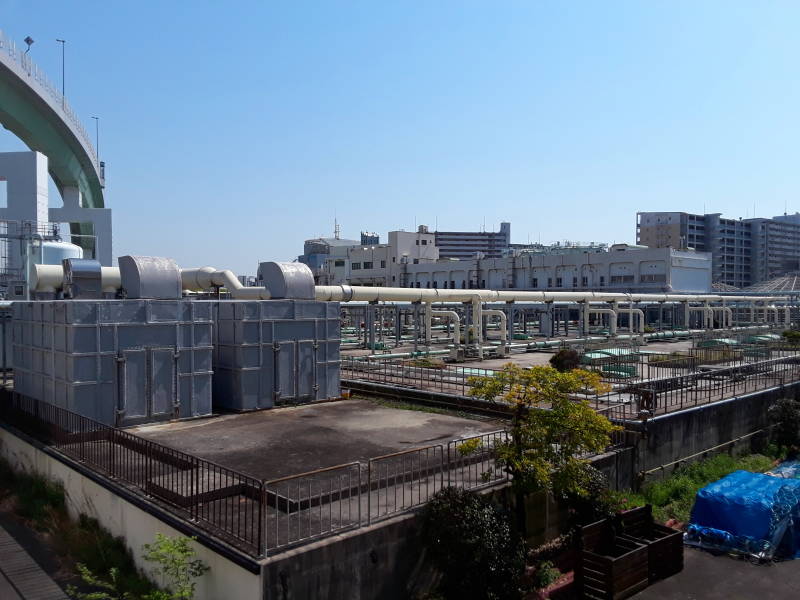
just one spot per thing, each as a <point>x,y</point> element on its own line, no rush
<point>233,131</point>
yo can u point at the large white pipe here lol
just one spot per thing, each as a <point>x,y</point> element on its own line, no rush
<point>50,278</point>
<point>347,293</point>
<point>454,318</point>
<point>503,322</point>
<point>205,278</point>
<point>612,317</point>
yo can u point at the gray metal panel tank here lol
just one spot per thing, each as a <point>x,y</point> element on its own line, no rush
<point>121,362</point>
<point>287,280</point>
<point>150,277</point>
<point>274,352</point>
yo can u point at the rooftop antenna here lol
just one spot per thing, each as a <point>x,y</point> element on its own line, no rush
<point>336,229</point>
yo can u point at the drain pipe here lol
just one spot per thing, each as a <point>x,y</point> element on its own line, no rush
<point>455,319</point>
<point>477,324</point>
<point>612,318</point>
<point>446,314</point>
<point>503,325</point>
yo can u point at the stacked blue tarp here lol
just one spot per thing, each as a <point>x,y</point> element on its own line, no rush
<point>749,513</point>
<point>789,469</point>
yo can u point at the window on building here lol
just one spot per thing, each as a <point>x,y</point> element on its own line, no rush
<point>427,284</point>
<point>383,264</point>
<point>549,282</point>
<point>574,282</point>
<point>602,280</point>
<point>394,259</point>
<point>558,282</point>
<point>368,265</point>
<point>584,282</point>
<point>424,242</point>
<point>338,262</point>
<point>355,266</point>
<point>416,261</point>
<point>435,284</point>
<point>535,282</point>
<point>463,284</point>
<point>483,284</point>
<point>417,242</point>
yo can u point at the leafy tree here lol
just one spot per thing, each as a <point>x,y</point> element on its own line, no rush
<point>473,546</point>
<point>551,429</point>
<point>792,336</point>
<point>177,565</point>
<point>785,415</point>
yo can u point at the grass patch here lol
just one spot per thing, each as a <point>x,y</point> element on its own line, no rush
<point>403,405</point>
<point>673,497</point>
<point>41,504</point>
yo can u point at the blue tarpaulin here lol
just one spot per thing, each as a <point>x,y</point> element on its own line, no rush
<point>749,513</point>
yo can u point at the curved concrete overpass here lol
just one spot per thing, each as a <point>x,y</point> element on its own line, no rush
<point>34,110</point>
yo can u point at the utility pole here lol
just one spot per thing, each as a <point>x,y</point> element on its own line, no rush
<point>97,137</point>
<point>63,80</point>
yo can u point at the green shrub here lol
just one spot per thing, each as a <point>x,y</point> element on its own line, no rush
<point>471,543</point>
<point>544,574</point>
<point>673,497</point>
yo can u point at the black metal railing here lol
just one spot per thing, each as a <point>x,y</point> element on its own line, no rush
<point>218,500</point>
<point>259,517</point>
<point>421,374</point>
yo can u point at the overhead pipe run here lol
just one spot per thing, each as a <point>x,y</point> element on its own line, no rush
<point>206,278</point>
<point>50,278</point>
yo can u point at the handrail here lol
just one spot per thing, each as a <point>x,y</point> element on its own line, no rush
<point>22,64</point>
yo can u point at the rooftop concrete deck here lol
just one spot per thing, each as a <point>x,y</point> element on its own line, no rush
<point>275,443</point>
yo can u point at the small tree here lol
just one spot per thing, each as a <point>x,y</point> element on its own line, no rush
<point>551,429</point>
<point>177,565</point>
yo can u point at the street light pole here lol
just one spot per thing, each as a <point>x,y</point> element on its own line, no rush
<point>63,80</point>
<point>97,137</point>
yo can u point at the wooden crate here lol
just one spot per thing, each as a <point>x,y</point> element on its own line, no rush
<point>610,567</point>
<point>664,544</point>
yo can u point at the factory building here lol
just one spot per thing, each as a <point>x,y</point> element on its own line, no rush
<point>466,244</point>
<point>622,268</point>
<point>744,251</point>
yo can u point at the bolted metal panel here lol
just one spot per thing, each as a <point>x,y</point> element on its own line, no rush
<point>121,362</point>
<point>272,352</point>
<point>150,277</point>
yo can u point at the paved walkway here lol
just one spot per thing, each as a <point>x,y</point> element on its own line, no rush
<point>709,577</point>
<point>20,577</point>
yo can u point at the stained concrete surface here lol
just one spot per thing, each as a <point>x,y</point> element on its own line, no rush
<point>709,577</point>
<point>285,441</point>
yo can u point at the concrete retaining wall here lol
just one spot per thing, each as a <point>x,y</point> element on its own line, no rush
<point>384,561</point>
<point>225,580</point>
<point>678,435</point>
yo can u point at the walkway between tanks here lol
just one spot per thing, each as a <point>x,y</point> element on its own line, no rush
<point>20,577</point>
